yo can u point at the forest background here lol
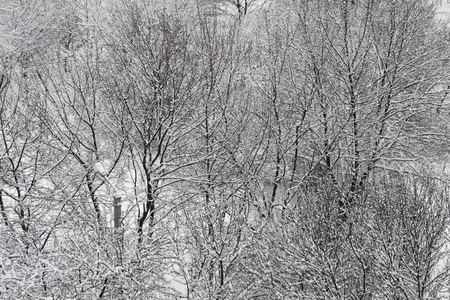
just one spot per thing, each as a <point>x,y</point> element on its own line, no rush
<point>260,149</point>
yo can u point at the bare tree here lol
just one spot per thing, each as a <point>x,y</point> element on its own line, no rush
<point>373,77</point>
<point>216,217</point>
<point>368,93</point>
<point>154,89</point>
<point>411,226</point>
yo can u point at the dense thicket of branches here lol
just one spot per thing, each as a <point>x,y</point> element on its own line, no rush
<point>261,149</point>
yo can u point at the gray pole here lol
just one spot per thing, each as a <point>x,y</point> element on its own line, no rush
<point>117,212</point>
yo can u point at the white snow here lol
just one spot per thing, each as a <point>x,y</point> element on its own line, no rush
<point>98,168</point>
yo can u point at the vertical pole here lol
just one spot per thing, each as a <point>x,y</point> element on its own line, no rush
<point>117,212</point>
